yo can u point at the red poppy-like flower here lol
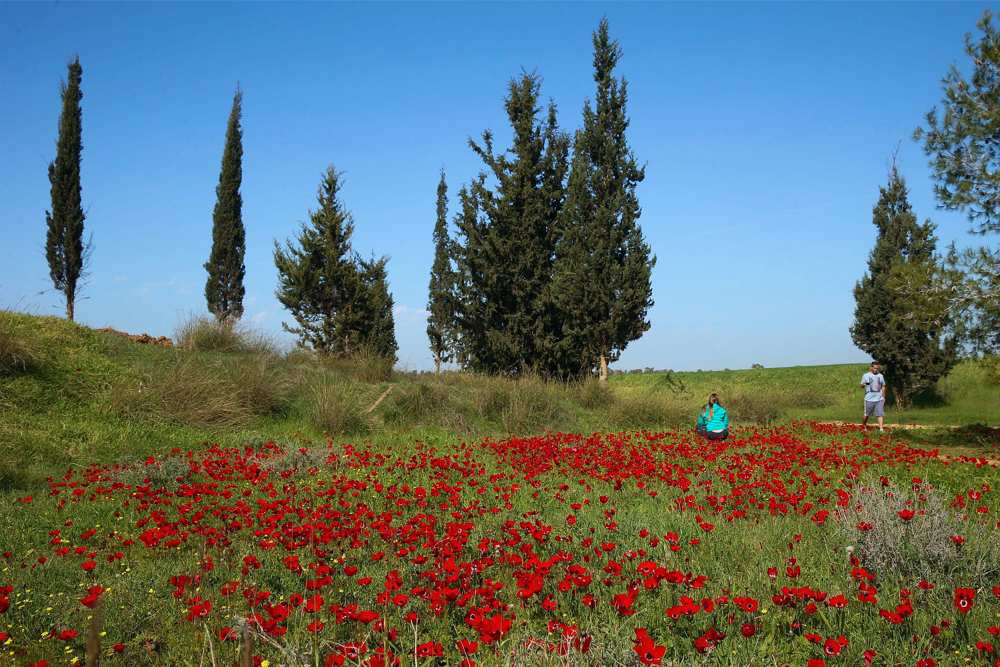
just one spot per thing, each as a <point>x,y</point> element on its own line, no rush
<point>648,651</point>
<point>963,599</point>
<point>92,596</point>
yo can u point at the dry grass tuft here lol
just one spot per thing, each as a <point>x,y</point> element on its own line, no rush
<point>335,407</point>
<point>214,393</point>
<point>18,352</point>
<point>206,334</point>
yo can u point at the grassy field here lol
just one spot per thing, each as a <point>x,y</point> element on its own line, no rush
<point>231,505</point>
<point>80,395</point>
<point>966,396</point>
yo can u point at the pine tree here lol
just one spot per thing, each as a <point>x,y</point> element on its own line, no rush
<point>963,142</point>
<point>440,303</point>
<point>224,289</point>
<point>913,349</point>
<point>507,241</point>
<point>65,250</point>
<point>377,332</point>
<point>602,274</point>
<point>318,280</point>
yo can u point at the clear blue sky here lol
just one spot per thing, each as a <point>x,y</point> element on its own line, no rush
<point>766,130</point>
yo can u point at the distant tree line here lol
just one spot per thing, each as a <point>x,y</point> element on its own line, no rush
<point>547,271</point>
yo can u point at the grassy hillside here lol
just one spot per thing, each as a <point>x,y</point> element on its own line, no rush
<point>70,395</point>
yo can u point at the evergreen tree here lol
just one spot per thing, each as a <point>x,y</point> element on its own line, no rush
<point>603,265</point>
<point>440,317</point>
<point>224,288</point>
<point>963,143</point>
<point>318,281</point>
<point>378,331</point>
<point>912,348</point>
<point>65,250</point>
<point>507,241</point>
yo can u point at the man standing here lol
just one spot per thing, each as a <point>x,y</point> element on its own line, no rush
<point>874,385</point>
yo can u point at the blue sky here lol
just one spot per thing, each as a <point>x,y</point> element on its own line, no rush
<point>766,130</point>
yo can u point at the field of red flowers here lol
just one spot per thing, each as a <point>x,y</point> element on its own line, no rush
<point>797,545</point>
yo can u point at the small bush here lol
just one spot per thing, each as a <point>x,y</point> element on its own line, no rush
<point>205,334</point>
<point>198,392</point>
<point>335,409</point>
<point>161,474</point>
<point>892,547</point>
<point>17,353</point>
<point>299,461</point>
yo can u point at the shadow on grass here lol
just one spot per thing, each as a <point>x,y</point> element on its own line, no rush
<point>972,439</point>
<point>929,398</point>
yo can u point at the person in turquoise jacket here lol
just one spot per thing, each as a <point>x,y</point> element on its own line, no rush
<point>713,423</point>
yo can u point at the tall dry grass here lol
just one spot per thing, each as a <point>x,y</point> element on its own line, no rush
<point>18,351</point>
<point>206,334</point>
<point>207,392</point>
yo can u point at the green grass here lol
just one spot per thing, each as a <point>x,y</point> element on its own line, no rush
<point>82,396</point>
<point>88,397</point>
<point>969,395</point>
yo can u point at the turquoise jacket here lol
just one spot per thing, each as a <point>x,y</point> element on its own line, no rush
<point>718,422</point>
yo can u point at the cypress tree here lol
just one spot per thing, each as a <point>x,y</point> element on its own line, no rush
<point>507,241</point>
<point>65,250</point>
<point>318,281</point>
<point>378,330</point>
<point>912,348</point>
<point>603,265</point>
<point>440,317</point>
<point>224,288</point>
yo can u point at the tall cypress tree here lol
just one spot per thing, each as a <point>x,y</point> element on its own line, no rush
<point>603,264</point>
<point>224,289</point>
<point>440,308</point>
<point>508,235</point>
<point>913,350</point>
<point>318,281</point>
<point>65,250</point>
<point>378,330</point>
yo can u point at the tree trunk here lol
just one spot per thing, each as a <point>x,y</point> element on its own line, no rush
<point>69,308</point>
<point>437,364</point>
<point>602,376</point>
<point>902,399</point>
